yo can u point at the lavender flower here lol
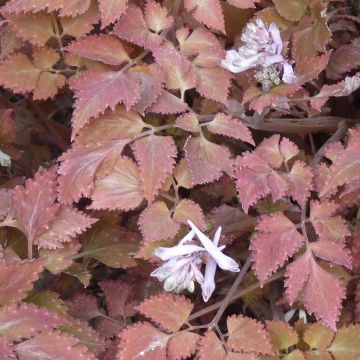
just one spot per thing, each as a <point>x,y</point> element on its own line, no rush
<point>262,48</point>
<point>183,263</point>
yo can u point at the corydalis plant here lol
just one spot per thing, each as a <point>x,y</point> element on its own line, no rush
<point>262,50</point>
<point>183,262</point>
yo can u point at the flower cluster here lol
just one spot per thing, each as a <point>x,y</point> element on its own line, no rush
<point>262,48</point>
<point>183,263</point>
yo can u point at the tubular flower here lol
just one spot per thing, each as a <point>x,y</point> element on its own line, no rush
<point>262,48</point>
<point>183,262</point>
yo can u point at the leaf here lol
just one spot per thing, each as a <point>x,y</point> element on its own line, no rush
<point>156,16</point>
<point>208,80</point>
<point>210,347</point>
<point>110,246</point>
<point>17,279</point>
<point>118,296</point>
<point>309,69</point>
<point>318,336</point>
<point>226,125</point>
<point>78,168</point>
<point>49,300</point>
<point>248,335</point>
<point>111,10</point>
<point>144,341</point>
<point>182,174</point>
<point>344,59</point>
<point>207,161</point>
<point>345,170</point>
<point>65,7</point>
<point>55,346</point>
<point>308,41</point>
<point>106,48</point>
<point>155,223</point>
<point>168,103</point>
<point>243,4</point>
<point>327,226</point>
<point>26,320</point>
<point>35,28</point>
<point>168,311</point>
<point>5,202</point>
<point>276,240</point>
<point>346,343</point>
<point>300,182</point>
<point>119,124</point>
<point>333,252</point>
<point>60,259</point>
<point>188,122</point>
<point>120,189</point>
<point>6,350</point>
<point>321,292</point>
<point>282,335</point>
<point>209,13</point>
<point>84,307</point>
<point>132,27</point>
<point>19,74</point>
<point>155,157</point>
<point>256,179</point>
<point>179,73</point>
<point>96,91</point>
<point>291,10</point>
<point>152,80</point>
<point>189,210</point>
<point>82,24</point>
<point>80,272</point>
<point>67,224</point>
<point>33,204</point>
<point>86,334</point>
<point>198,41</point>
<point>183,345</point>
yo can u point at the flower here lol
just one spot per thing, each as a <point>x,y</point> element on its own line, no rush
<point>183,263</point>
<point>262,47</point>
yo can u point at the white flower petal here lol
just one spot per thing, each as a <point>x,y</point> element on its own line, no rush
<point>224,262</point>
<point>288,77</point>
<point>165,253</point>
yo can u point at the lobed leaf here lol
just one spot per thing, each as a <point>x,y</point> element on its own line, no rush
<point>207,161</point>
<point>156,16</point>
<point>156,223</point>
<point>248,335</point>
<point>55,346</point>
<point>346,343</point>
<point>309,69</point>
<point>84,307</point>
<point>110,246</point>
<point>155,157</point>
<point>132,27</point>
<point>179,73</point>
<point>120,189</point>
<point>318,336</point>
<point>16,279</point>
<point>142,340</point>
<point>67,224</point>
<point>105,48</point>
<point>188,122</point>
<point>168,311</point>
<point>168,103</point>
<point>96,91</point>
<point>118,296</point>
<point>34,204</point>
<point>342,60</point>
<point>210,347</point>
<point>282,335</point>
<point>78,168</point>
<point>276,240</point>
<point>291,10</point>
<point>183,345</point>
<point>188,209</point>
<point>119,124</point>
<point>226,125</point>
<point>26,320</point>
<point>111,10</point>
<point>209,13</point>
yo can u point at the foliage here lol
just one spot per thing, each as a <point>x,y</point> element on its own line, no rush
<point>122,123</point>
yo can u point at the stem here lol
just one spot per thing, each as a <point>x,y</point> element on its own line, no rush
<point>235,297</point>
<point>338,135</point>
<point>231,292</point>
